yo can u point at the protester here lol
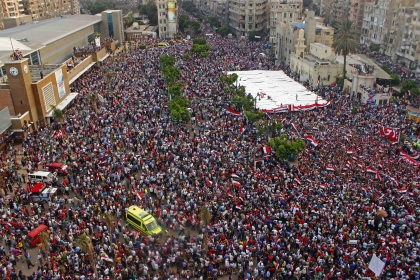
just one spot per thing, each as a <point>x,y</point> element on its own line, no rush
<point>272,221</point>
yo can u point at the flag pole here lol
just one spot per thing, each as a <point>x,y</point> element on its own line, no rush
<point>11,43</point>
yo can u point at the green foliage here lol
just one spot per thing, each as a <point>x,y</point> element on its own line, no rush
<point>230,79</point>
<point>187,56</point>
<point>224,30</point>
<point>171,74</point>
<point>214,22</point>
<point>142,46</point>
<point>200,48</point>
<point>128,20</point>
<point>167,60</point>
<point>197,31</point>
<point>268,129</point>
<point>408,85</point>
<point>199,41</point>
<point>386,69</point>
<point>374,47</point>
<point>183,22</point>
<point>204,54</point>
<point>254,116</point>
<point>247,102</point>
<point>178,107</point>
<point>189,6</point>
<point>150,10</point>
<point>395,80</point>
<point>285,148</point>
<point>345,40</point>
<point>99,6</point>
<point>175,89</point>
<point>57,113</point>
<point>415,92</point>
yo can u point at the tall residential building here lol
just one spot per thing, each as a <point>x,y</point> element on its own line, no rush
<point>285,13</point>
<point>335,10</point>
<point>167,18</point>
<point>11,8</point>
<point>356,12</point>
<point>374,23</point>
<point>246,16</point>
<point>45,9</point>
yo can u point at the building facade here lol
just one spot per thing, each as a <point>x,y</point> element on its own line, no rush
<point>283,14</point>
<point>246,16</point>
<point>335,10</point>
<point>112,25</point>
<point>167,18</point>
<point>356,12</point>
<point>12,8</point>
<point>317,67</point>
<point>374,23</point>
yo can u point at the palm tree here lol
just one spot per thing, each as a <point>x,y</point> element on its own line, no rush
<point>57,114</point>
<point>85,244</point>
<point>45,241</point>
<point>345,40</point>
<point>205,217</point>
<point>109,220</point>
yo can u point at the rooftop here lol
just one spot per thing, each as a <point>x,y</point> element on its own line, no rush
<point>301,25</point>
<point>37,34</point>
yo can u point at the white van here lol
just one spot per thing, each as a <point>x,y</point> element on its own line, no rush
<point>45,195</point>
<point>41,176</point>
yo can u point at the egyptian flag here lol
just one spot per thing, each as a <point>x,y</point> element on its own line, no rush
<point>295,128</point>
<point>139,195</point>
<point>394,180</point>
<point>234,176</point>
<point>208,182</point>
<point>402,191</point>
<point>323,186</point>
<point>241,129</point>
<point>349,152</point>
<point>298,181</point>
<point>330,168</point>
<point>236,183</point>
<point>378,176</point>
<point>233,112</point>
<point>311,140</point>
<point>267,150</point>
<point>58,134</point>
<point>370,170</point>
<point>238,207</point>
<point>290,108</point>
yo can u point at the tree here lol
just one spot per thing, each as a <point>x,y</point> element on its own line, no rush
<point>183,22</point>
<point>57,113</point>
<point>408,85</point>
<point>395,80</point>
<point>200,48</point>
<point>45,241</point>
<point>386,69</point>
<point>254,116</point>
<point>99,6</point>
<point>109,221</point>
<point>199,41</point>
<point>167,60</point>
<point>175,89</point>
<point>128,20</point>
<point>204,54</point>
<point>150,10</point>
<point>85,244</point>
<point>205,217</point>
<point>344,42</point>
<point>286,148</point>
<point>171,74</point>
<point>223,31</point>
<point>178,107</point>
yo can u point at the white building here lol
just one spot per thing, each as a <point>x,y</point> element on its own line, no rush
<point>167,18</point>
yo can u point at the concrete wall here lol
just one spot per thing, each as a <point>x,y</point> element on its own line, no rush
<point>6,101</point>
<point>18,123</point>
<point>79,67</point>
<point>37,90</point>
<point>63,48</point>
<point>16,21</point>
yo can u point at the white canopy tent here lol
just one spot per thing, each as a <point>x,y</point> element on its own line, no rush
<point>275,89</point>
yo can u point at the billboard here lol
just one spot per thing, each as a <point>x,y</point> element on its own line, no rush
<point>60,83</point>
<point>171,11</point>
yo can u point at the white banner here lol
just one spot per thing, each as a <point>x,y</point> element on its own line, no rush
<point>98,41</point>
<point>60,83</point>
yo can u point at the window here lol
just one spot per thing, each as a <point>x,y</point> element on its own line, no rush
<point>284,15</point>
<point>250,26</point>
<point>250,18</point>
<point>134,220</point>
<point>391,40</point>
<point>48,94</point>
<point>110,25</point>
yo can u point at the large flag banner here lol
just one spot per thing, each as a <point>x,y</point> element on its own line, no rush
<point>233,112</point>
<point>393,134</point>
<point>311,140</point>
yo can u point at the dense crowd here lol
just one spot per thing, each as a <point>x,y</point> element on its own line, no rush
<point>316,219</point>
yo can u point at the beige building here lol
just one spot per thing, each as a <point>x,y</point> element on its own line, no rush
<point>356,12</point>
<point>283,14</point>
<point>318,66</point>
<point>374,23</point>
<point>287,36</point>
<point>112,25</point>
<point>12,8</point>
<point>247,16</point>
<point>335,10</point>
<point>167,18</point>
<point>137,31</point>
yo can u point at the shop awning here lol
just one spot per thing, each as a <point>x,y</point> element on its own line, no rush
<point>64,103</point>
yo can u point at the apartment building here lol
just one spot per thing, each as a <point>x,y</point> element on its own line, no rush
<point>247,16</point>
<point>287,38</point>
<point>335,10</point>
<point>11,8</point>
<point>283,14</point>
<point>375,24</point>
<point>356,12</point>
<point>167,18</point>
